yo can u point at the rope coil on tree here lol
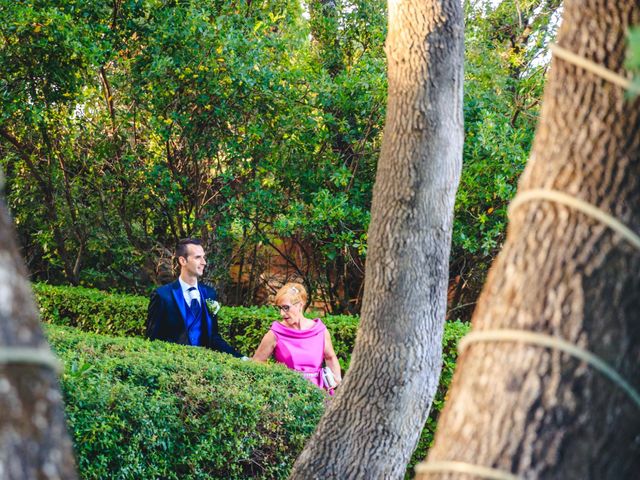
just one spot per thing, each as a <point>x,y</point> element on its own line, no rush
<point>547,340</point>
<point>542,339</point>
<point>593,67</point>
<point>580,205</point>
<point>29,356</point>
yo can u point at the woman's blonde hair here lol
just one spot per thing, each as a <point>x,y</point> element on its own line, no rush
<point>293,291</point>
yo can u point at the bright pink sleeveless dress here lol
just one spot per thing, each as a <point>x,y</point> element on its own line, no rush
<point>301,350</point>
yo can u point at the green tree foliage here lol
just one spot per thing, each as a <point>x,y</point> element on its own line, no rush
<point>126,125</point>
<point>315,185</point>
<point>135,126</point>
<point>506,63</point>
<point>633,57</point>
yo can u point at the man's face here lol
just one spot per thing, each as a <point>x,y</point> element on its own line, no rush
<point>193,264</point>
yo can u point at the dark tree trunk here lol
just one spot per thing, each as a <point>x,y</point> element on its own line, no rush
<point>372,426</point>
<point>534,411</point>
<point>34,442</point>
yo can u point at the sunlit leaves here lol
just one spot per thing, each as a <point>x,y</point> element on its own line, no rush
<point>633,57</point>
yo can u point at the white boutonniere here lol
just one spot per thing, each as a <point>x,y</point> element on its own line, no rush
<point>213,306</point>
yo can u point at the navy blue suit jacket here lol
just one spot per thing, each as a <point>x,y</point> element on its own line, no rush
<point>167,313</point>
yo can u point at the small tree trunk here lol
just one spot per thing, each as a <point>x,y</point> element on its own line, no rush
<point>530,410</point>
<point>372,426</point>
<point>33,437</point>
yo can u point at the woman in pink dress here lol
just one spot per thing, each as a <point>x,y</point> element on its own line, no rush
<point>300,343</point>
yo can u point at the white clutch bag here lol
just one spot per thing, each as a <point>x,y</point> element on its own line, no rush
<point>328,380</point>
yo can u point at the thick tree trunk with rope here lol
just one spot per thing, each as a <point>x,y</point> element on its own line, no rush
<point>530,410</point>
<point>34,442</point>
<point>372,426</point>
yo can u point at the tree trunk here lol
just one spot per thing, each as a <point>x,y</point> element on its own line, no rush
<point>534,411</point>
<point>33,438</point>
<point>373,424</point>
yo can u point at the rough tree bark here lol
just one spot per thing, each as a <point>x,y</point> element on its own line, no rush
<point>34,442</point>
<point>372,426</point>
<point>534,411</point>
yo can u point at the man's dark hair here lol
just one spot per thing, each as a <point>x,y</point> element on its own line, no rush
<point>181,247</point>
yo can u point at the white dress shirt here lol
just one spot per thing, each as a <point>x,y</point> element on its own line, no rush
<point>189,295</point>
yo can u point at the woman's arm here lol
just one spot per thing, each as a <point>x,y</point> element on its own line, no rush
<point>266,347</point>
<point>330,357</point>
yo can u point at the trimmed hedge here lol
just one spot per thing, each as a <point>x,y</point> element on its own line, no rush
<point>453,332</point>
<point>92,310</point>
<point>243,327</point>
<point>140,409</point>
<point>126,315</point>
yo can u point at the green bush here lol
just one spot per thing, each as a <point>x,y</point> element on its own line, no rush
<point>453,332</point>
<point>140,409</point>
<point>92,310</point>
<point>126,315</point>
<point>243,327</point>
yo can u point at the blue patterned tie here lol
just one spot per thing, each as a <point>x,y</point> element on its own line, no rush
<point>195,305</point>
<point>196,310</point>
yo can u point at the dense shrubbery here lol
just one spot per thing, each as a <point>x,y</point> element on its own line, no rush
<point>453,332</point>
<point>92,310</point>
<point>273,139</point>
<point>141,409</point>
<point>227,126</point>
<point>124,315</point>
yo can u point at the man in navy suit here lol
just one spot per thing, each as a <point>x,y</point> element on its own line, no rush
<point>178,311</point>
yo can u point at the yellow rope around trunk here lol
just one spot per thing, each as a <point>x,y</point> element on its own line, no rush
<point>530,338</point>
<point>543,340</point>
<point>577,204</point>
<point>537,338</point>
<point>555,343</point>
<point>594,68</point>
